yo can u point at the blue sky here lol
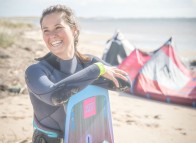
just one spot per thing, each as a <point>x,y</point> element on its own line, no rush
<point>104,8</point>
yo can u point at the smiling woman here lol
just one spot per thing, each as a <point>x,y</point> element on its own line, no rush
<point>58,36</point>
<point>63,72</point>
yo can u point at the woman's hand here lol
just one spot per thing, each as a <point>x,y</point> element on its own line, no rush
<point>112,72</point>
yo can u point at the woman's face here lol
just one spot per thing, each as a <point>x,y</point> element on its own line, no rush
<point>58,36</point>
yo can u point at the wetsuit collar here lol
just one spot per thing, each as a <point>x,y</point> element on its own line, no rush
<point>68,66</point>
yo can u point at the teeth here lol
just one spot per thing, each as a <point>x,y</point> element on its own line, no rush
<point>56,43</point>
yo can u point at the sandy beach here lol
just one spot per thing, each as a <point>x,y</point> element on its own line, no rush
<point>135,119</point>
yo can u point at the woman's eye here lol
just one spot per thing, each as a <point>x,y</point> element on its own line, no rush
<point>58,27</point>
<point>45,31</point>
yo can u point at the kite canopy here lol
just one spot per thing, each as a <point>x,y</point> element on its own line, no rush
<point>117,49</point>
<point>161,76</point>
<point>134,62</point>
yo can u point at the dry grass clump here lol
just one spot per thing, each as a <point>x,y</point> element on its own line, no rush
<point>8,32</point>
<point>6,40</point>
<point>13,24</point>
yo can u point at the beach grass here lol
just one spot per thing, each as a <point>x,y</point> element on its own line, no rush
<point>9,31</point>
<point>6,40</point>
<point>13,24</point>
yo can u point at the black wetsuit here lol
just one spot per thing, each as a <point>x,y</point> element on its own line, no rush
<point>52,81</point>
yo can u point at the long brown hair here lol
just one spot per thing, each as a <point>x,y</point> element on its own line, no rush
<point>70,19</point>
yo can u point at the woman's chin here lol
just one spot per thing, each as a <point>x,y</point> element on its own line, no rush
<point>56,49</point>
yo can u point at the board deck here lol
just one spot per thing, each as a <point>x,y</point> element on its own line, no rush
<point>88,117</point>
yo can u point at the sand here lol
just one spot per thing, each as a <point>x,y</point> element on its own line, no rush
<point>135,119</point>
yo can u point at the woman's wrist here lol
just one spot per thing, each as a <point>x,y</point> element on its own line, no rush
<point>101,68</point>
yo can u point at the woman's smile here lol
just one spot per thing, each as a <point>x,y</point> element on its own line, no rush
<point>57,43</point>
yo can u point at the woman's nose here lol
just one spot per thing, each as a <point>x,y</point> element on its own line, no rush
<point>52,33</point>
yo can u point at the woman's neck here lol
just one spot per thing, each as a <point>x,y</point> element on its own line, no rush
<point>65,56</point>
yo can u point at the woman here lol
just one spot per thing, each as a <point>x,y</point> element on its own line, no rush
<point>63,72</point>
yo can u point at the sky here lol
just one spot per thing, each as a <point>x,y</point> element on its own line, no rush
<point>104,8</point>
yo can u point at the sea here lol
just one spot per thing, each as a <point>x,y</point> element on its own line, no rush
<point>147,34</point>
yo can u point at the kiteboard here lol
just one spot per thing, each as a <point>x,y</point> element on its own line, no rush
<point>88,117</point>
